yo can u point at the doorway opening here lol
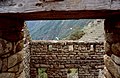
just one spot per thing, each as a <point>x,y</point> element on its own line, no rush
<point>56,46</point>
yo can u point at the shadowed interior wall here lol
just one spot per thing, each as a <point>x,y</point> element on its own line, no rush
<point>14,55</point>
<point>11,48</point>
<point>112,48</point>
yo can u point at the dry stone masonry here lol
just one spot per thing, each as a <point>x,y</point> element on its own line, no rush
<point>112,48</point>
<point>56,56</point>
<point>12,49</point>
<point>17,51</point>
<point>26,60</point>
<point>59,56</point>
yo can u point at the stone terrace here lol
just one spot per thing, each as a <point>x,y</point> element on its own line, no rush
<point>59,56</point>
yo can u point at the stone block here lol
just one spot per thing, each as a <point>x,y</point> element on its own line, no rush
<point>43,65</point>
<point>63,58</point>
<point>37,65</point>
<point>71,48</point>
<point>12,60</point>
<point>112,37</point>
<point>108,49</point>
<point>5,46</point>
<point>116,49</point>
<point>20,70</point>
<point>112,67</point>
<point>4,64</point>
<point>7,75</point>
<point>22,75</point>
<point>107,73</point>
<point>6,55</point>
<point>116,59</point>
<point>19,45</point>
<point>14,69</point>
<point>20,56</point>
<point>0,65</point>
<point>61,66</point>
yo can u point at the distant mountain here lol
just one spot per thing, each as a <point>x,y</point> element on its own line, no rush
<point>54,29</point>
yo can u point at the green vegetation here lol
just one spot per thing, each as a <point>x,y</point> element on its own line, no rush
<point>42,73</point>
<point>76,35</point>
<point>72,73</point>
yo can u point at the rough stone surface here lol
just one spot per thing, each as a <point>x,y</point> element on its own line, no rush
<point>12,60</point>
<point>0,64</point>
<point>112,67</point>
<point>116,49</point>
<point>101,74</point>
<point>59,56</point>
<point>107,73</point>
<point>19,45</point>
<point>15,68</point>
<point>4,64</point>
<point>108,49</point>
<point>7,75</point>
<point>112,59</point>
<point>112,38</point>
<point>5,46</point>
<point>26,50</point>
<point>21,68</point>
<point>11,48</point>
<point>115,59</point>
<point>20,56</point>
<point>22,75</point>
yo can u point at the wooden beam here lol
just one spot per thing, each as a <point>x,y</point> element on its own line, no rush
<point>50,15</point>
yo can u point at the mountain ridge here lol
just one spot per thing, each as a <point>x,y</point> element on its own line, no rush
<point>54,29</point>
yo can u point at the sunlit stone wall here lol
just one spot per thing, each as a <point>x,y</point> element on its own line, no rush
<point>59,56</point>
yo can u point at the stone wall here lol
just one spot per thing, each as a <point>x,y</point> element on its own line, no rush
<point>59,56</point>
<point>26,61</point>
<point>14,52</point>
<point>112,48</point>
<point>11,48</point>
